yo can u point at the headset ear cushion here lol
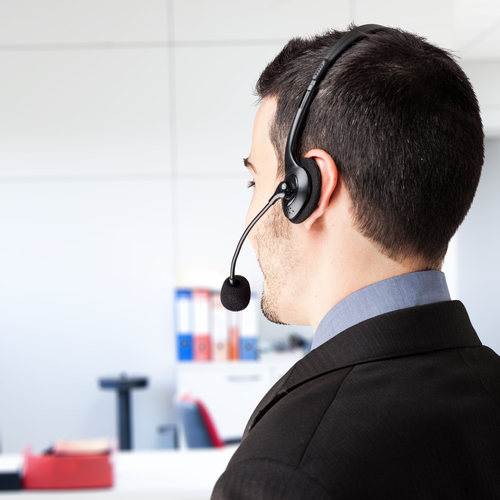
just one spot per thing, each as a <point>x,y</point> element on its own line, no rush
<point>311,167</point>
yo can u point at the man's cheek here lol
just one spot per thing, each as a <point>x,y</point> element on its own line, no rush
<point>252,211</point>
<point>248,218</point>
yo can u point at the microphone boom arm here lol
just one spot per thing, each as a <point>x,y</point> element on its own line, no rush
<point>281,192</point>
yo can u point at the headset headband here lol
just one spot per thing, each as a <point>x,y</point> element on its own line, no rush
<point>334,53</point>
<point>296,172</point>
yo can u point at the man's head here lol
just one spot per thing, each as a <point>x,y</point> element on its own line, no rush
<point>400,121</point>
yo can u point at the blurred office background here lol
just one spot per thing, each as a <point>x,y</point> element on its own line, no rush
<point>123,124</point>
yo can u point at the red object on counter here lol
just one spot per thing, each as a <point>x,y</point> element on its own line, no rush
<point>59,472</point>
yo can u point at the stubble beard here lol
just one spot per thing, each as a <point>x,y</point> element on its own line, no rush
<point>274,249</point>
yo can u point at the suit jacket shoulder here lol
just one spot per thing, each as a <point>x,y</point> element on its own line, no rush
<point>405,405</point>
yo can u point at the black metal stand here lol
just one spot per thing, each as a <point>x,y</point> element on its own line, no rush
<point>123,385</point>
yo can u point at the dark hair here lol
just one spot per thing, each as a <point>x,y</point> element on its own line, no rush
<point>401,121</point>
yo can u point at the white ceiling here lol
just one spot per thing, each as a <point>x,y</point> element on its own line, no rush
<point>476,28</point>
<point>471,28</point>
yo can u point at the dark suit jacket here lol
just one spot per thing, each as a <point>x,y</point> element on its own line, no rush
<point>405,405</point>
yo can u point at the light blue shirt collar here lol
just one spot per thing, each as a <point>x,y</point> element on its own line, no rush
<point>400,292</point>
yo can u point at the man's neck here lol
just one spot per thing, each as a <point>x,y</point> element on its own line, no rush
<point>352,268</point>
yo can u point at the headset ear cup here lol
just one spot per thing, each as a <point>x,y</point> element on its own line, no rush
<point>311,167</point>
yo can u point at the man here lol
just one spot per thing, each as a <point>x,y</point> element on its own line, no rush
<point>398,399</point>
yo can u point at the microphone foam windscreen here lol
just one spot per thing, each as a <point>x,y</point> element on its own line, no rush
<point>235,297</point>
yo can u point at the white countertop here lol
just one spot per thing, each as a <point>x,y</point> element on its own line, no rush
<point>147,475</point>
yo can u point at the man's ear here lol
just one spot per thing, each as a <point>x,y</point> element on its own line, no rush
<point>329,178</point>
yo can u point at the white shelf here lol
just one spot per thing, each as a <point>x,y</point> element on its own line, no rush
<point>231,390</point>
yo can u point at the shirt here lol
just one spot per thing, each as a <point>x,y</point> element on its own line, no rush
<point>407,290</point>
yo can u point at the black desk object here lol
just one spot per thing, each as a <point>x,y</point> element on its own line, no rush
<point>123,385</point>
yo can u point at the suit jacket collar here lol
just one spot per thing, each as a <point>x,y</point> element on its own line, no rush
<point>404,332</point>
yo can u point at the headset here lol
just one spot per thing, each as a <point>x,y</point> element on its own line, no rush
<point>300,190</point>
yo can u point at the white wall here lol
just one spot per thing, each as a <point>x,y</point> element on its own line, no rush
<point>479,252</point>
<point>476,247</point>
<point>123,124</point>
